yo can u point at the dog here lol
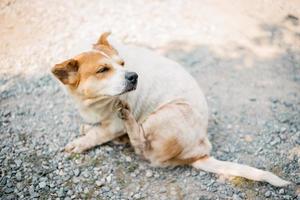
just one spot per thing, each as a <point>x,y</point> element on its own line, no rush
<point>159,105</point>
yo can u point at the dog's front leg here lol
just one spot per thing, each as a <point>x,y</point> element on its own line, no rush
<point>95,135</point>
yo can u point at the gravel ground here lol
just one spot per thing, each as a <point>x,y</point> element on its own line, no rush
<point>244,54</point>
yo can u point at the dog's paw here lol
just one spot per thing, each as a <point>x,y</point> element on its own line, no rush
<point>123,114</point>
<point>78,145</point>
<point>123,110</point>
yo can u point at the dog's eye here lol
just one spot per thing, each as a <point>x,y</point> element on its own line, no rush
<point>103,69</point>
<point>122,63</point>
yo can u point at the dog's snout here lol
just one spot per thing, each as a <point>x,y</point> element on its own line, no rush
<point>131,77</point>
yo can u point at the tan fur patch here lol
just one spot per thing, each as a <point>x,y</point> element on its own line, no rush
<point>90,63</point>
<point>172,151</point>
<point>172,148</point>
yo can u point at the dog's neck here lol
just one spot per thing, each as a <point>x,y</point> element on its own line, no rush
<point>95,110</point>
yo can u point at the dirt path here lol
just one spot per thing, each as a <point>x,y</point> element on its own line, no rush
<point>244,54</point>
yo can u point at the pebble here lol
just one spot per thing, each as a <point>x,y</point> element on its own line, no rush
<point>281,191</point>
<point>195,173</point>
<point>268,194</point>
<point>156,175</point>
<point>202,173</point>
<point>128,159</point>
<point>20,186</point>
<point>86,190</point>
<point>283,129</point>
<point>9,190</point>
<point>99,183</point>
<point>42,184</point>
<point>52,185</point>
<point>76,172</point>
<point>137,196</point>
<point>61,192</point>
<point>149,173</point>
<point>3,181</point>
<point>19,176</point>
<point>275,141</point>
<point>85,174</point>
<point>18,162</point>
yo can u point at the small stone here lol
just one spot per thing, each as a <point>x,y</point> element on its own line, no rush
<point>275,141</point>
<point>149,173</point>
<point>202,173</point>
<point>128,159</point>
<point>18,162</point>
<point>76,172</point>
<point>137,196</point>
<point>281,191</point>
<point>35,195</point>
<point>3,181</point>
<point>289,197</point>
<point>19,176</point>
<point>211,183</point>
<point>20,186</point>
<point>283,136</point>
<point>31,189</point>
<point>108,148</point>
<point>108,179</point>
<point>99,183</point>
<point>287,104</point>
<point>236,197</point>
<point>85,174</point>
<point>274,100</point>
<point>9,190</point>
<point>229,193</point>
<point>194,173</point>
<point>86,191</point>
<point>248,138</point>
<point>282,129</point>
<point>42,184</point>
<point>268,194</point>
<point>156,175</point>
<point>61,193</point>
<point>76,180</point>
<point>70,193</point>
<point>105,189</point>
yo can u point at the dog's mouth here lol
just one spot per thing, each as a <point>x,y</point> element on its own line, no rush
<point>129,87</point>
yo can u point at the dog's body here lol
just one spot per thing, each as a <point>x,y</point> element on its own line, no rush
<point>165,117</point>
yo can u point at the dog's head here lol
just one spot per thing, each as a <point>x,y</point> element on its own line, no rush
<point>96,73</point>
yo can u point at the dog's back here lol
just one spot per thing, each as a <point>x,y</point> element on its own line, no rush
<point>161,80</point>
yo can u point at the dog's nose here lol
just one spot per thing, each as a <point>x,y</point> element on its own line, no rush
<point>131,77</point>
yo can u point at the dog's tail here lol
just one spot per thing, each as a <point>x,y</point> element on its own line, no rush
<point>213,165</point>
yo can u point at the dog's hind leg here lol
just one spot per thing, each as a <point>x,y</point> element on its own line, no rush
<point>134,130</point>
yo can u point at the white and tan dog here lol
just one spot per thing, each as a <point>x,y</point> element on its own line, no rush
<point>165,115</point>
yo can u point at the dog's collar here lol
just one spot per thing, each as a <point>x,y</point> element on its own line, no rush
<point>93,124</point>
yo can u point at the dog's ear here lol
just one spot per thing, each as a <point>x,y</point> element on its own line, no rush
<point>102,41</point>
<point>67,71</point>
